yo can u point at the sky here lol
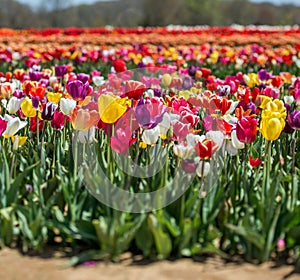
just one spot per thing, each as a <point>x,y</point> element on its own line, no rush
<point>34,3</point>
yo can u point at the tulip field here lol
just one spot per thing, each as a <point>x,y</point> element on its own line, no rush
<point>165,142</point>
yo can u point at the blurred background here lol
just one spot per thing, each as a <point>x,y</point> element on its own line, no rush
<point>91,13</point>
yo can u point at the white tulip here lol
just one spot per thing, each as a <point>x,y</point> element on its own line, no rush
<point>67,105</point>
<point>14,124</point>
<point>236,142</point>
<point>14,104</point>
<point>150,136</point>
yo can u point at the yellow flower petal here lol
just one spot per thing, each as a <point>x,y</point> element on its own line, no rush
<point>111,107</point>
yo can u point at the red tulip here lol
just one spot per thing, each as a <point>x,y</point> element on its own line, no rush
<point>119,65</point>
<point>206,148</point>
<point>254,162</point>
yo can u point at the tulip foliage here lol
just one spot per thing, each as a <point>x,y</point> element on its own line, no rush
<point>216,124</point>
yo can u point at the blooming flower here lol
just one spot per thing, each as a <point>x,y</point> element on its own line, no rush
<point>77,89</point>
<point>294,119</point>
<point>58,120</point>
<point>111,107</point>
<point>246,129</point>
<point>272,118</point>
<point>3,125</point>
<point>27,108</point>
<point>13,105</point>
<point>14,124</point>
<point>67,105</point>
<point>205,149</point>
<point>255,162</point>
<point>83,119</point>
<point>48,111</point>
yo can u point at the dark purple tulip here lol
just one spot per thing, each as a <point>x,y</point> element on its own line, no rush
<point>77,89</point>
<point>294,119</point>
<point>83,77</point>
<point>60,70</point>
<point>35,102</point>
<point>19,93</point>
<point>157,92</point>
<point>287,128</point>
<point>48,111</point>
<point>263,75</point>
<point>224,90</point>
<point>192,70</point>
<point>35,75</point>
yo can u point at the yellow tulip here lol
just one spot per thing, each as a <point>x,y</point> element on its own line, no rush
<point>54,97</point>
<point>27,108</point>
<point>111,107</point>
<point>185,94</point>
<point>251,80</point>
<point>18,141</point>
<point>272,118</point>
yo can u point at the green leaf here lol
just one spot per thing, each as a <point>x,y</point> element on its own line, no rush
<point>162,240</point>
<point>249,234</point>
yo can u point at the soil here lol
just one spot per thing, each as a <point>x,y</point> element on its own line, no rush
<point>49,266</point>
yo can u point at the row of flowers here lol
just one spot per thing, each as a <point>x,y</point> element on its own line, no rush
<point>178,107</point>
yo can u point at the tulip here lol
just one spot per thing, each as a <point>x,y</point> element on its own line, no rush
<point>189,166</point>
<point>33,126</point>
<point>119,65</point>
<point>294,119</point>
<point>60,70</point>
<point>183,151</point>
<point>14,124</point>
<point>84,78</point>
<point>272,118</point>
<point>246,129</point>
<point>180,130</point>
<point>3,125</point>
<point>48,111</point>
<point>150,136</point>
<point>13,105</point>
<point>77,89</point>
<point>255,162</point>
<point>134,89</point>
<point>83,119</point>
<point>121,141</point>
<point>166,80</point>
<point>58,121</point>
<point>27,109</point>
<point>54,97</point>
<point>236,143</point>
<point>67,105</point>
<point>111,107</point>
<point>18,141</point>
<point>206,148</point>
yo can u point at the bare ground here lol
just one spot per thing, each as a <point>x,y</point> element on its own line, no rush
<point>14,266</point>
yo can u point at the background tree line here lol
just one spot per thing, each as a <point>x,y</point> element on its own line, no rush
<point>146,13</point>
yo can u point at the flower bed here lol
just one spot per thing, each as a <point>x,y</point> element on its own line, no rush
<point>158,147</point>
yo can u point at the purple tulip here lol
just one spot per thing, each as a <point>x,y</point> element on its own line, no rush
<point>48,111</point>
<point>83,77</point>
<point>187,82</point>
<point>35,102</point>
<point>77,89</point>
<point>294,119</point>
<point>60,70</point>
<point>192,70</point>
<point>143,116</point>
<point>263,75</point>
<point>35,75</point>
<point>19,93</point>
